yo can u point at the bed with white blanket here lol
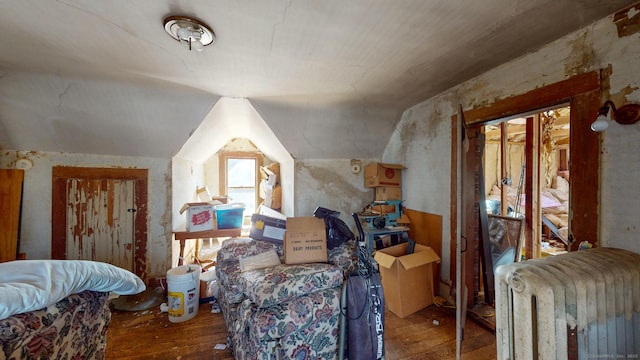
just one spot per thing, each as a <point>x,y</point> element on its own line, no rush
<point>58,309</point>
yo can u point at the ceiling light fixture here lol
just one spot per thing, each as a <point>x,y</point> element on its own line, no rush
<point>626,115</point>
<point>194,32</point>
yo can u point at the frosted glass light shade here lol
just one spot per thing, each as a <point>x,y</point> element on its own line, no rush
<point>601,123</point>
<point>196,45</point>
<point>195,33</point>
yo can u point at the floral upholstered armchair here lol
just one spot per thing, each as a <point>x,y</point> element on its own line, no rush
<point>74,327</point>
<point>281,311</point>
<point>58,309</point>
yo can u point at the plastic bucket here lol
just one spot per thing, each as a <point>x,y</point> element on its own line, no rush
<point>183,287</point>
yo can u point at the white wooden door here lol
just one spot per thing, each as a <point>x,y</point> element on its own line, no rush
<point>100,221</point>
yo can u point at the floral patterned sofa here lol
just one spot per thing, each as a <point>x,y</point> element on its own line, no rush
<point>73,328</point>
<point>290,309</point>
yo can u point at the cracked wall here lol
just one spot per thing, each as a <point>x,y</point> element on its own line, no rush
<point>331,184</point>
<point>422,139</point>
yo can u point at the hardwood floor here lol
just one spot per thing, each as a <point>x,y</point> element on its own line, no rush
<point>418,337</point>
<point>150,335</point>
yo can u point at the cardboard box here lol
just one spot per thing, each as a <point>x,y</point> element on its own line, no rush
<point>208,284</point>
<point>388,193</point>
<point>267,228</point>
<point>305,240</point>
<point>199,216</point>
<point>271,169</point>
<point>272,180</point>
<point>272,196</point>
<point>380,174</point>
<point>383,209</point>
<point>271,173</point>
<point>276,197</point>
<point>407,280</point>
<point>267,211</point>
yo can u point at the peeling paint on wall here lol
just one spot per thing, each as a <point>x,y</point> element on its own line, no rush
<point>592,48</point>
<point>619,97</point>
<point>581,56</point>
<point>628,21</point>
<point>605,78</point>
<point>331,184</point>
<point>37,201</point>
<point>11,158</point>
<point>407,131</point>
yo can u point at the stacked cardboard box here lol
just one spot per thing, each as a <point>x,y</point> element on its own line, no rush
<point>383,175</point>
<point>387,181</point>
<point>270,189</point>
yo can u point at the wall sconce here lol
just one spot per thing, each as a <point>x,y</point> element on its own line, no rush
<point>195,33</point>
<point>626,115</point>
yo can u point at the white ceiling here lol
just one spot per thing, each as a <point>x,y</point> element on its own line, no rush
<point>330,77</point>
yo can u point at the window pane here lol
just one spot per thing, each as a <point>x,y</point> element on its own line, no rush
<point>241,172</point>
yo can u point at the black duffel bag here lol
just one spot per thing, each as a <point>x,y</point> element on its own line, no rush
<point>337,231</point>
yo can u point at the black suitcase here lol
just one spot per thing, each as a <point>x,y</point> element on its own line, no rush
<point>365,317</point>
<point>365,307</point>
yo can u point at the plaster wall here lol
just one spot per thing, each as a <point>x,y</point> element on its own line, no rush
<point>186,177</point>
<point>422,139</point>
<point>330,184</point>
<point>36,208</point>
<point>212,175</point>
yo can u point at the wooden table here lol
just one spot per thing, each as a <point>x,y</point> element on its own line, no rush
<point>183,236</point>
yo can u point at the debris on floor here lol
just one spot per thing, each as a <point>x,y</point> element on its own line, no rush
<point>215,308</point>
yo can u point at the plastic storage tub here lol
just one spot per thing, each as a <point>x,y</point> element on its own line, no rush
<point>229,216</point>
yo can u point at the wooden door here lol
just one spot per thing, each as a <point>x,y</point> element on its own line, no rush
<point>10,200</point>
<point>100,220</point>
<point>90,205</point>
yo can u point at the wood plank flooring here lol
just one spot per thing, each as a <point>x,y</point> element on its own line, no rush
<point>150,335</point>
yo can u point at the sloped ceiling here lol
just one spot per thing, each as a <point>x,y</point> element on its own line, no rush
<point>330,78</point>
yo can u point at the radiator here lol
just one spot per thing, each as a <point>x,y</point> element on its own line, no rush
<point>580,305</point>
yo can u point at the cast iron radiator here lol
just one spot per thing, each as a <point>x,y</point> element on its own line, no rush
<point>580,305</point>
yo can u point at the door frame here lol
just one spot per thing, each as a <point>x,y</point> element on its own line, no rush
<point>583,93</point>
<point>60,174</point>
